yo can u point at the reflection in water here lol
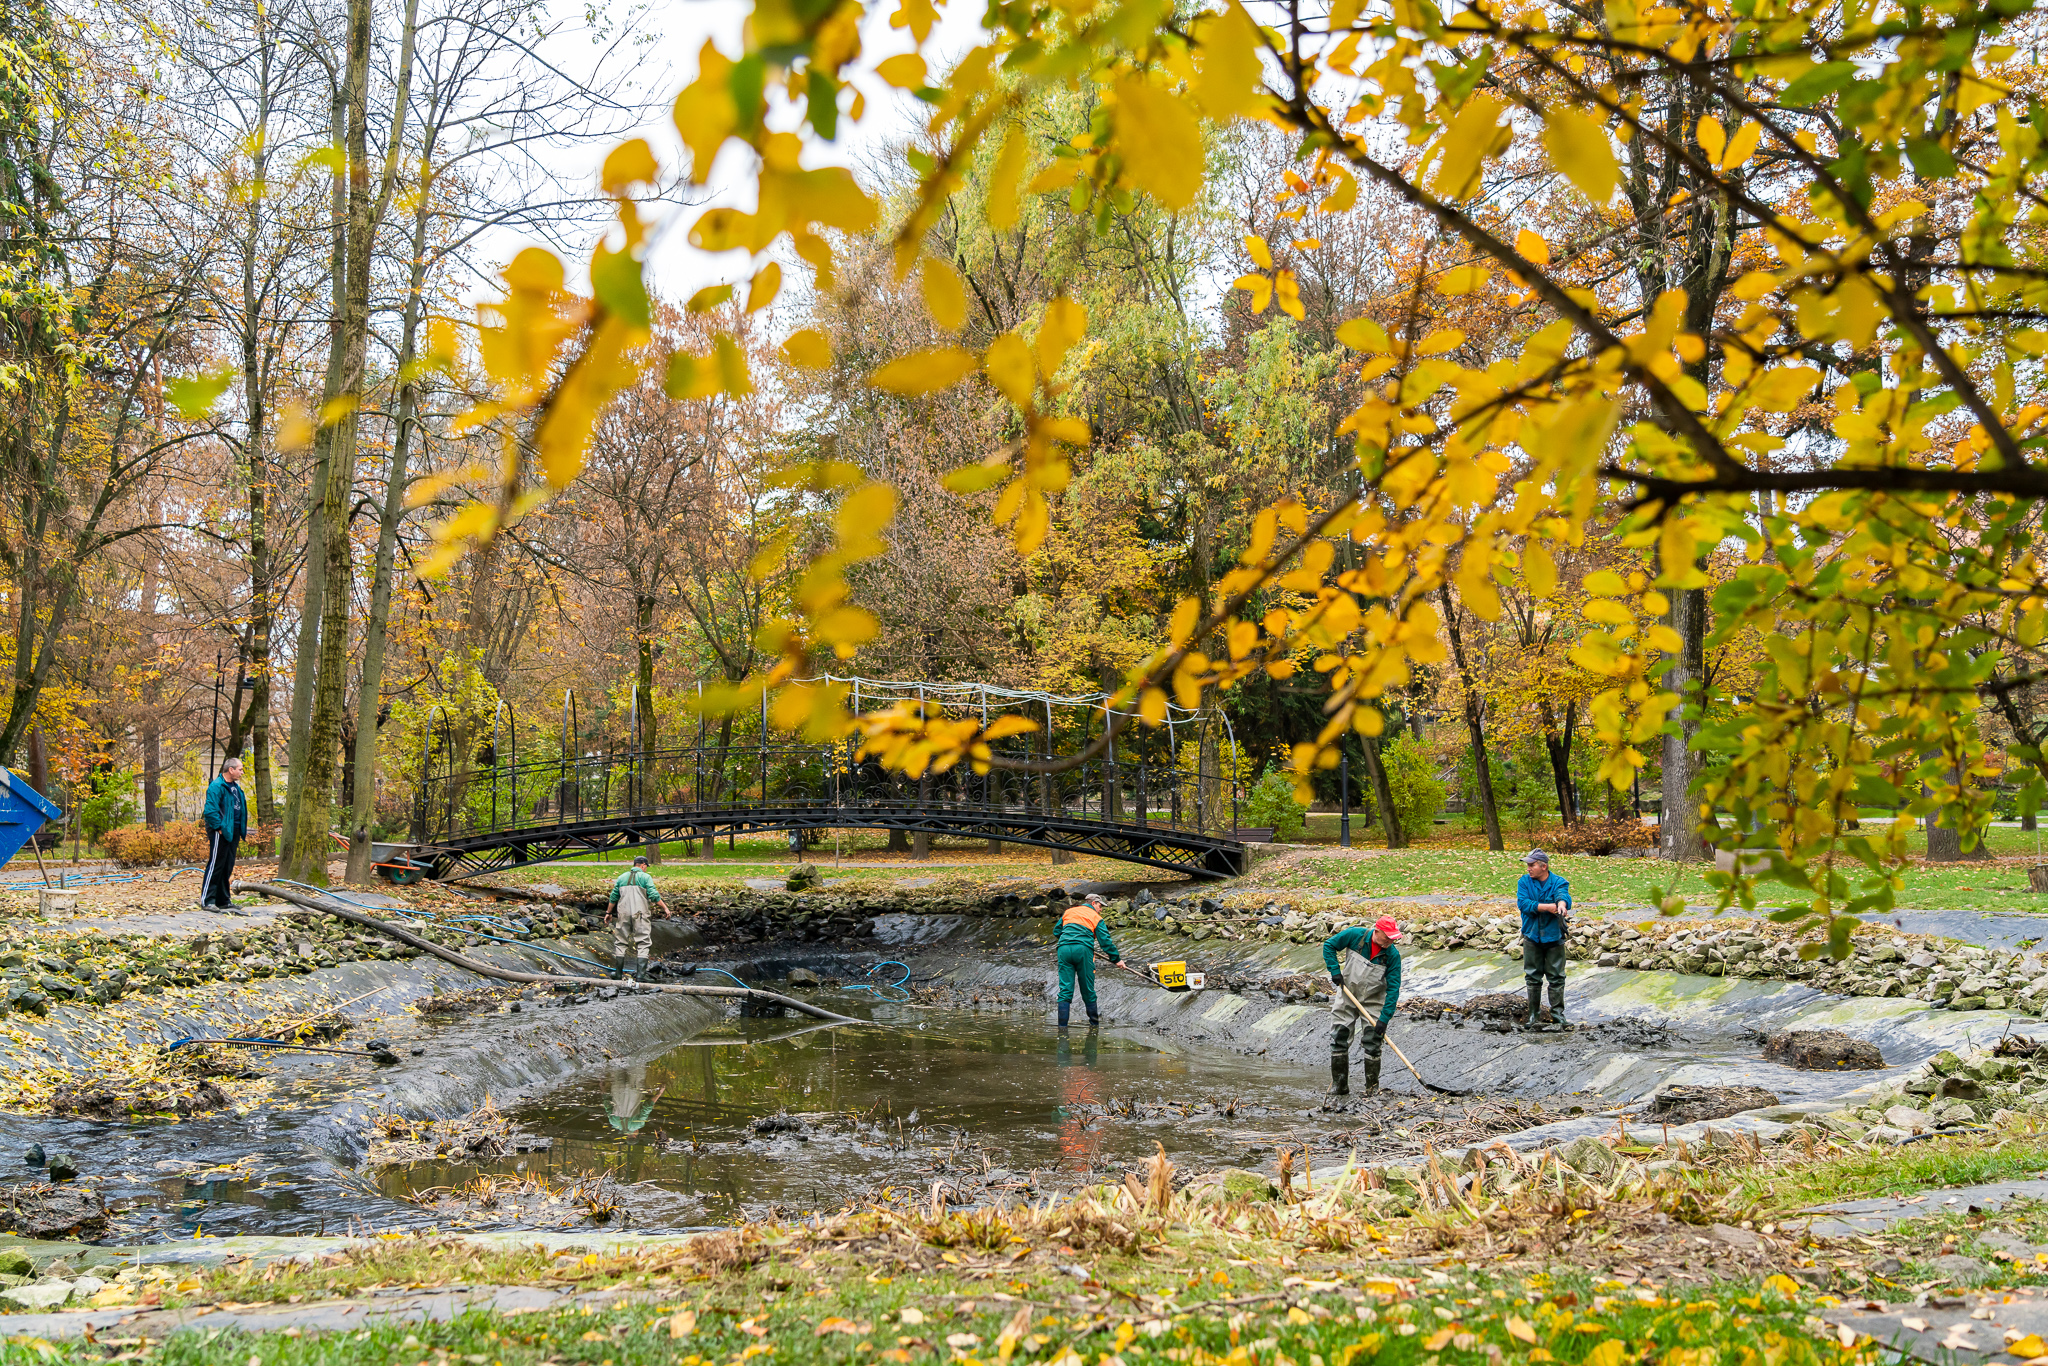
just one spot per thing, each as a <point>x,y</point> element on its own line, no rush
<point>1079,1147</point>
<point>624,1108</point>
<point>798,1121</point>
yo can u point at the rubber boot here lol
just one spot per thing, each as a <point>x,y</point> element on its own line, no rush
<point>1066,1009</point>
<point>619,972</point>
<point>637,969</point>
<point>1535,1007</point>
<point>1557,1010</point>
<point>1094,1018</point>
<point>1340,1074</point>
<point>1371,1077</point>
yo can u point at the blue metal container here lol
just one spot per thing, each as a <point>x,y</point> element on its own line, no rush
<point>23,810</point>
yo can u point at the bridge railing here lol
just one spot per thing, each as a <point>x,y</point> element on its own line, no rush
<point>809,783</point>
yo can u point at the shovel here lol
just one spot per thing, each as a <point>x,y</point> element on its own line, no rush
<point>1427,1086</point>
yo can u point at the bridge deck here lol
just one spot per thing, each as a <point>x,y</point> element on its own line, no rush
<point>1160,846</point>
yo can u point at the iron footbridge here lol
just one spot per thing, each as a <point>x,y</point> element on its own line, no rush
<point>1160,797</point>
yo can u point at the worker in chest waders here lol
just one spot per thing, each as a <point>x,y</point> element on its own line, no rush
<point>634,897</point>
<point>1081,929</point>
<point>1364,963</point>
<point>1546,904</point>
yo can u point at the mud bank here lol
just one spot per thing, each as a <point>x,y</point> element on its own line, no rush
<point>1639,1029</point>
<point>281,1160</point>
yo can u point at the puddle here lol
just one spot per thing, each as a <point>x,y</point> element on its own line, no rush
<point>760,1116</point>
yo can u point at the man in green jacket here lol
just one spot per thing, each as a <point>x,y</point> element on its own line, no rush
<point>1081,929</point>
<point>1366,962</point>
<point>631,912</point>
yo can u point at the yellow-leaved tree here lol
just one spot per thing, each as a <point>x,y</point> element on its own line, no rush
<point>1770,276</point>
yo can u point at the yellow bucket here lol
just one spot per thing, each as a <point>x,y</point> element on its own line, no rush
<point>1173,976</point>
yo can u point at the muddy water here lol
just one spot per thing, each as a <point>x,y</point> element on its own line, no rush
<point>755,1116</point>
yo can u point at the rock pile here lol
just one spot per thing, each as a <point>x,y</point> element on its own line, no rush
<point>91,969</point>
<point>1951,1090</point>
<point>1881,962</point>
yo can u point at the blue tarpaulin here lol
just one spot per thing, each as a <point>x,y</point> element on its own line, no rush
<point>23,810</point>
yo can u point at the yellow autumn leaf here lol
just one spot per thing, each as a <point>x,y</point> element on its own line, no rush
<point>976,477</point>
<point>708,298</point>
<point>628,164</point>
<point>1065,322</point>
<point>1259,287</point>
<point>1008,363</point>
<point>1713,138</point>
<point>705,112</point>
<point>1580,152</point>
<point>1474,134</point>
<point>1063,172</point>
<point>1287,294</point>
<point>809,349</point>
<point>905,71</point>
<point>1460,280</point>
<point>337,408</point>
<point>1002,181</point>
<point>1608,1353</point>
<point>1255,247</point>
<point>1187,614</point>
<point>2029,1346</point>
<point>294,430</point>
<point>865,509</point>
<point>1534,249</point>
<point>1152,706</point>
<point>1442,340</point>
<point>1742,146</point>
<point>1160,142</point>
<point>1539,570</point>
<point>1783,1284</point>
<point>767,284</point>
<point>924,372</point>
<point>945,298</point>
<point>1229,77</point>
<point>1519,1328</point>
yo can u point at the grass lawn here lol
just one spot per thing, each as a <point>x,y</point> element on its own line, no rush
<point>1230,1316</point>
<point>1476,873</point>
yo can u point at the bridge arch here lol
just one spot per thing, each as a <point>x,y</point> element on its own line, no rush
<point>1147,799</point>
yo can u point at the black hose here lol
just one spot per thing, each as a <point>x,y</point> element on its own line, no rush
<point>329,906</point>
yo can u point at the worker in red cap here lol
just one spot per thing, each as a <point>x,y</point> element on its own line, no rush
<point>1364,963</point>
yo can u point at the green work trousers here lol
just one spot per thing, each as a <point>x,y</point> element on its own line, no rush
<point>1543,960</point>
<point>1077,961</point>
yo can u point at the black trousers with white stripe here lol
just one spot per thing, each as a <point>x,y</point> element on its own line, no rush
<point>220,870</point>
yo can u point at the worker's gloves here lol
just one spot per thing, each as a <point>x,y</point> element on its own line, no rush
<point>1337,980</point>
<point>1379,1031</point>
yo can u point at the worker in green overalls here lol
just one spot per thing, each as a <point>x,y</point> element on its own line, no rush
<point>1081,929</point>
<point>634,897</point>
<point>1365,967</point>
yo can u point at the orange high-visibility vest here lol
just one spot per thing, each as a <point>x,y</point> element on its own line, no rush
<point>1083,915</point>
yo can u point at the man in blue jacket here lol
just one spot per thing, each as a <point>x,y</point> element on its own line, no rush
<point>1546,904</point>
<point>226,819</point>
<point>1365,962</point>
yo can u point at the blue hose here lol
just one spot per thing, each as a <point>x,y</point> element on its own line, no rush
<point>343,897</point>
<point>723,973</point>
<point>879,987</point>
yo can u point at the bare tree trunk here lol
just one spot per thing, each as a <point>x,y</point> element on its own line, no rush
<point>1680,838</point>
<point>1557,744</point>
<point>649,723</point>
<point>313,593</point>
<point>1475,724</point>
<point>1383,795</point>
<point>365,207</point>
<point>369,688</point>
